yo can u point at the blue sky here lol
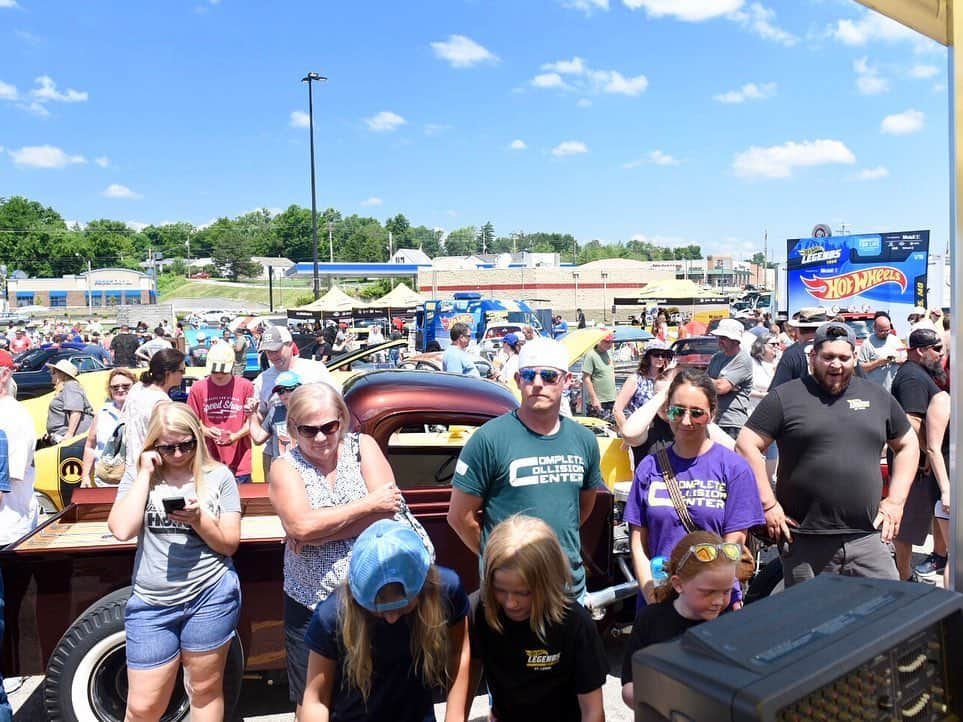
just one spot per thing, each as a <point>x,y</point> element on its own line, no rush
<point>677,121</point>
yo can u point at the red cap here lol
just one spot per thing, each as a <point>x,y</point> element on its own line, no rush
<point>6,360</point>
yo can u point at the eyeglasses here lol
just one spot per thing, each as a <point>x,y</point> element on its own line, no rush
<point>285,389</point>
<point>662,354</point>
<point>326,429</point>
<point>677,412</point>
<point>184,447</point>
<point>706,553</point>
<point>773,343</point>
<point>548,376</point>
<point>120,387</point>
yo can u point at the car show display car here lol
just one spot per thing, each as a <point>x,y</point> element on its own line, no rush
<point>33,377</point>
<point>67,582</point>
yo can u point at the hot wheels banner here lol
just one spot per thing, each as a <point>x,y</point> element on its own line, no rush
<point>865,272</point>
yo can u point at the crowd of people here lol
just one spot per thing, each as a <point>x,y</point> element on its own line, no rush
<point>774,440</point>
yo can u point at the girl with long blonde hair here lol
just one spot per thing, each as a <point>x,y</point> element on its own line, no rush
<point>185,510</point>
<point>394,632</point>
<point>539,649</point>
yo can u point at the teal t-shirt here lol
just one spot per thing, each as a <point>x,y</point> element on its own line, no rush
<point>516,471</point>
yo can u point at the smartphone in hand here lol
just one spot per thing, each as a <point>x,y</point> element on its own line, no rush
<point>173,503</point>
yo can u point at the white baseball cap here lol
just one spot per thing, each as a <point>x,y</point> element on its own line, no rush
<point>541,352</point>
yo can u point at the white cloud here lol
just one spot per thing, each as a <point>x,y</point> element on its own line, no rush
<point>518,144</point>
<point>868,80</point>
<point>582,79</point>
<point>611,81</point>
<point>655,157</point>
<point>548,80</point>
<point>924,72</point>
<point>384,122</point>
<point>871,174</point>
<point>103,161</point>
<point>569,147</point>
<point>35,107</point>
<point>115,190</point>
<point>8,4</point>
<point>759,20</point>
<point>660,158</point>
<point>909,121</point>
<point>136,226</point>
<point>462,52</point>
<point>749,91</point>
<point>871,26</point>
<point>44,156</point>
<point>48,91</point>
<point>779,161</point>
<point>575,66</point>
<point>372,201</point>
<point>691,11</point>
<point>7,91</point>
<point>299,119</point>
<point>586,6</point>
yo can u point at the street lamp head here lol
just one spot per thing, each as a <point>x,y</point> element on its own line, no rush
<point>312,76</point>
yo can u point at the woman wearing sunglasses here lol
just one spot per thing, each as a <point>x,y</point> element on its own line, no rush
<point>165,371</point>
<point>716,490</point>
<point>185,510</point>
<point>105,422</point>
<point>640,386</point>
<point>327,489</point>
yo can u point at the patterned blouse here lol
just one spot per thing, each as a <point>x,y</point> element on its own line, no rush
<point>309,577</point>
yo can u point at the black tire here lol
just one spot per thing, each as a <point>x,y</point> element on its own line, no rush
<point>87,673</point>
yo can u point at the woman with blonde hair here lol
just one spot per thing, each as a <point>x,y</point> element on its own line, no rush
<point>524,606</point>
<point>396,631</point>
<point>327,489</point>
<point>185,510</point>
<point>105,423</point>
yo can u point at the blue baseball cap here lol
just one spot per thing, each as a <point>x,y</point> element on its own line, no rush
<point>286,380</point>
<point>387,552</point>
<point>511,339</point>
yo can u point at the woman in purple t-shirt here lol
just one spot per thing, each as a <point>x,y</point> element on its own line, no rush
<point>716,484</point>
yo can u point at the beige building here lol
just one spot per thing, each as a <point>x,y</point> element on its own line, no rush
<point>98,288</point>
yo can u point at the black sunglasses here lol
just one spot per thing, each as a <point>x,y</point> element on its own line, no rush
<point>120,387</point>
<point>184,447</point>
<point>327,429</point>
<point>548,376</point>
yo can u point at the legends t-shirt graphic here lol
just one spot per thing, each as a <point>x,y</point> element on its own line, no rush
<point>555,469</point>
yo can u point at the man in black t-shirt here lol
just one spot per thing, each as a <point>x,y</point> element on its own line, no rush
<point>123,346</point>
<point>914,389</point>
<point>794,363</point>
<point>829,428</point>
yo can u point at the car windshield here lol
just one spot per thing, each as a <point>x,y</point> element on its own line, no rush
<point>33,359</point>
<point>687,347</point>
<point>862,329</point>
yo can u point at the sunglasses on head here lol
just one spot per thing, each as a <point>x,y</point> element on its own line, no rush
<point>706,553</point>
<point>677,412</point>
<point>184,447</point>
<point>327,429</point>
<point>548,376</point>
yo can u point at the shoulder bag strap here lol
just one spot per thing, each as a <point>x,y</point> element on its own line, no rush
<point>665,466</point>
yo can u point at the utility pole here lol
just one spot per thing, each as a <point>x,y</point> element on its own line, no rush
<point>314,202</point>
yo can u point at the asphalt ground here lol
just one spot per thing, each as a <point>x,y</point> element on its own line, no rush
<point>265,702</point>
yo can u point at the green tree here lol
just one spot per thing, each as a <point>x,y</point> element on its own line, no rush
<point>486,237</point>
<point>292,231</point>
<point>462,242</point>
<point>427,239</point>
<point>258,226</point>
<point>363,240</point>
<point>28,234</point>
<point>107,242</point>
<point>232,251</point>
<point>171,240</point>
<point>400,230</point>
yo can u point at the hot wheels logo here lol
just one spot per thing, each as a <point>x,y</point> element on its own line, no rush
<point>853,283</point>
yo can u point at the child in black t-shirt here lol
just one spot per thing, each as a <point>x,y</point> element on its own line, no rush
<point>702,570</point>
<point>541,653</point>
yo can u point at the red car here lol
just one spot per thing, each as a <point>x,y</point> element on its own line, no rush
<point>694,352</point>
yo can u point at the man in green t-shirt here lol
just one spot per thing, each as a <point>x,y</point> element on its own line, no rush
<point>598,379</point>
<point>530,461</point>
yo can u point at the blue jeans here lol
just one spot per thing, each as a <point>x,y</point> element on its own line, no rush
<point>6,713</point>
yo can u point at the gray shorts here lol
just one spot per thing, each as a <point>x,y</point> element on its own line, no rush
<point>853,555</point>
<point>918,510</point>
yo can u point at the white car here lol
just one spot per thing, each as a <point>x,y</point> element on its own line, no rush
<point>492,340</point>
<point>216,317</point>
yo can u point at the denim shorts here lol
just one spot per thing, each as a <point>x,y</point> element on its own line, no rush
<point>156,635</point>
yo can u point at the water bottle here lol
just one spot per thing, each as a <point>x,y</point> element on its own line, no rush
<point>660,571</point>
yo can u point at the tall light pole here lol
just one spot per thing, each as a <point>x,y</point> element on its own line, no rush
<point>604,289</point>
<point>314,202</point>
